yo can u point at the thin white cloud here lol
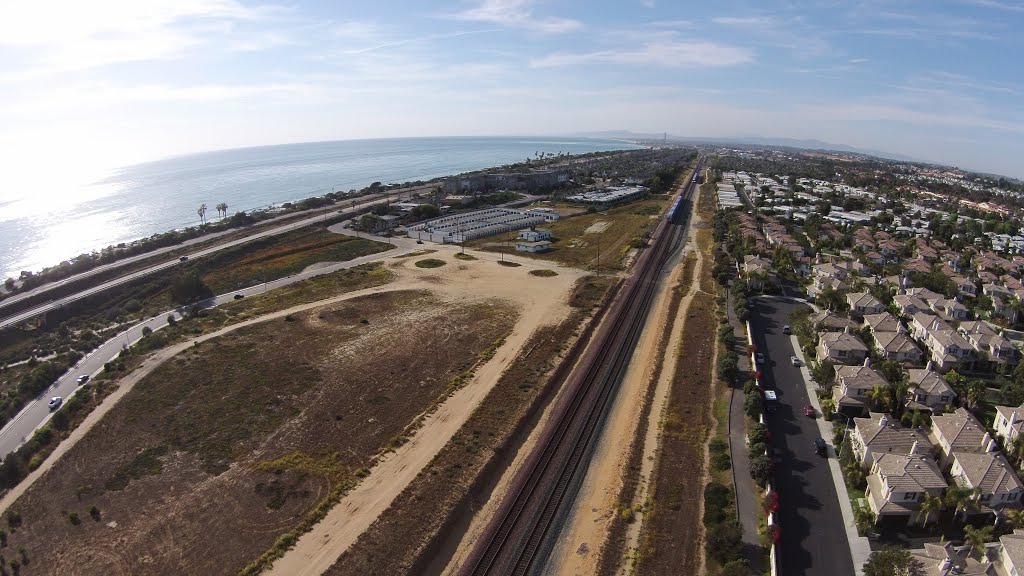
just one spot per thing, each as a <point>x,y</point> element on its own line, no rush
<point>516,14</point>
<point>746,21</point>
<point>103,32</point>
<point>998,5</point>
<point>680,54</point>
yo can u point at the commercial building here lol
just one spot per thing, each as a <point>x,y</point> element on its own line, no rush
<point>458,227</point>
<point>607,197</point>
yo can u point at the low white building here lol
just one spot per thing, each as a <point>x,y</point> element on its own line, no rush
<point>535,234</point>
<point>538,246</point>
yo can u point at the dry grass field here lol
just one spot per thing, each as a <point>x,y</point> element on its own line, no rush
<point>220,451</point>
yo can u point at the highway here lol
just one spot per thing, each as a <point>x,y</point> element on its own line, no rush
<point>37,413</point>
<point>320,213</point>
<point>813,534</point>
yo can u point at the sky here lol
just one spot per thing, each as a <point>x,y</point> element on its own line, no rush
<point>89,86</point>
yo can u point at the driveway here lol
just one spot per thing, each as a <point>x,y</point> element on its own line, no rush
<point>813,535</point>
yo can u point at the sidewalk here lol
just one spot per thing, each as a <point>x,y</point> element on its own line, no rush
<point>748,497</point>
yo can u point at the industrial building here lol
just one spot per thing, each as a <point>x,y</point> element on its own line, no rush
<point>607,197</point>
<point>458,227</point>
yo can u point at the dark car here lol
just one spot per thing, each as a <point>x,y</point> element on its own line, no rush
<point>820,447</point>
<point>419,241</point>
<point>239,296</point>
<point>82,379</point>
<point>183,258</point>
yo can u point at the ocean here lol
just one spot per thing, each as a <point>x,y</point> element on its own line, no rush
<point>141,200</point>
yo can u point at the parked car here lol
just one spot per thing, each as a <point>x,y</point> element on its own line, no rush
<point>82,379</point>
<point>239,296</point>
<point>809,411</point>
<point>794,360</point>
<point>786,329</point>
<point>55,402</point>
<point>820,447</point>
<point>759,357</point>
<point>419,241</point>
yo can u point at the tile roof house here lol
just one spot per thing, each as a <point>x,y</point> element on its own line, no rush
<point>882,434</point>
<point>897,346</point>
<point>948,349</point>
<point>945,559</point>
<point>840,348</point>
<point>863,303</point>
<point>910,305</point>
<point>1008,422</point>
<point>988,342</point>
<point>883,322</point>
<point>989,472</point>
<point>825,321</point>
<point>958,431</point>
<point>922,323</point>
<point>854,385</point>
<point>949,309</point>
<point>1011,554</point>
<point>928,390</point>
<point>898,483</point>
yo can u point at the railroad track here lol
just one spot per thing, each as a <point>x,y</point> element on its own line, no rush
<point>517,540</point>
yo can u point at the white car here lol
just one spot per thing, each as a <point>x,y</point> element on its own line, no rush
<point>55,402</point>
<point>82,379</point>
<point>794,360</point>
<point>759,357</point>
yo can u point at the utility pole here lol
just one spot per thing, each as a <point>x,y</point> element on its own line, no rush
<point>599,256</point>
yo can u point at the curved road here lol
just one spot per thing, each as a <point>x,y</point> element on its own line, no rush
<point>37,413</point>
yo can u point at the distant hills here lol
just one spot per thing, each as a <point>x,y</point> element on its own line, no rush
<point>751,141</point>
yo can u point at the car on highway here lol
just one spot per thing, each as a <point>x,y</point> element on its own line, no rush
<point>820,447</point>
<point>809,411</point>
<point>794,360</point>
<point>239,296</point>
<point>82,379</point>
<point>55,402</point>
<point>183,258</point>
<point>786,329</point>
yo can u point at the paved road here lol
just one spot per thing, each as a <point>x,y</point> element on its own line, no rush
<point>53,304</point>
<point>37,413</point>
<point>814,539</point>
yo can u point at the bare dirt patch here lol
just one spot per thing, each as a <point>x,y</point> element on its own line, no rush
<point>597,227</point>
<point>418,533</point>
<point>224,448</point>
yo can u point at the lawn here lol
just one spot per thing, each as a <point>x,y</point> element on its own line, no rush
<point>611,235</point>
<point>233,443</point>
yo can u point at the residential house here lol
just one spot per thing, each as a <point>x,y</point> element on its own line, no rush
<point>883,322</point>
<point>882,434</point>
<point>1011,554</point>
<point>863,303</point>
<point>991,474</point>
<point>840,348</point>
<point>758,272</point>
<point>825,321</point>
<point>992,350</point>
<point>928,390</point>
<point>945,559</point>
<point>958,431</point>
<point>1008,423</point>
<point>910,305</point>
<point>949,309</point>
<point>853,388</point>
<point>948,349</point>
<point>965,287</point>
<point>922,323</point>
<point>897,346</point>
<point>898,483</point>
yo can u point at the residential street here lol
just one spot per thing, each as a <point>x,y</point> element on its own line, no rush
<point>813,534</point>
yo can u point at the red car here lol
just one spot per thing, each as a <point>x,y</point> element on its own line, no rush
<point>809,411</point>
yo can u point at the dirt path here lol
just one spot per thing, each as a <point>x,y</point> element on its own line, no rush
<point>542,301</point>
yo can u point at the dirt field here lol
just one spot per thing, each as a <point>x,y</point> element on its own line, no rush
<point>578,240</point>
<point>422,527</point>
<point>222,449</point>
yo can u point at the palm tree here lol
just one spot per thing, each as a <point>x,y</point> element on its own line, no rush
<point>222,209</point>
<point>880,396</point>
<point>957,498</point>
<point>202,213</point>
<point>977,537</point>
<point>929,505</point>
